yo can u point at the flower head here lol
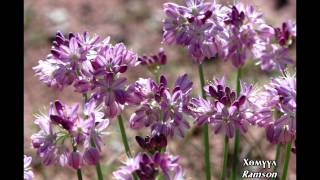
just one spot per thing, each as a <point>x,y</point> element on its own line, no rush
<point>147,167</point>
<point>65,123</point>
<point>226,112</point>
<point>195,26</point>
<point>276,109</point>
<point>158,99</point>
<point>110,91</point>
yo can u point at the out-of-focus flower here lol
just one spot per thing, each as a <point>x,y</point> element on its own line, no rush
<point>275,57</point>
<point>153,143</point>
<point>27,173</point>
<point>285,34</point>
<point>75,160</point>
<point>147,167</point>
<point>154,60</point>
<point>91,156</point>
<point>276,109</point>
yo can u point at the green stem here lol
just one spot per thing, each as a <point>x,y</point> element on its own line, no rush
<point>225,158</point>
<point>79,173</point>
<point>278,148</point>
<point>125,141</point>
<point>286,161</point>
<point>124,137</point>
<point>205,129</point>
<point>237,135</point>
<point>98,167</point>
<point>202,82</point>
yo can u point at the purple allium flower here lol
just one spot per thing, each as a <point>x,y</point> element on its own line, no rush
<point>275,57</point>
<point>157,99</point>
<point>68,61</point>
<point>278,96</point>
<point>173,120</point>
<point>91,156</point>
<point>246,32</point>
<point>27,173</point>
<point>226,112</point>
<point>110,91</point>
<point>75,160</point>
<point>195,26</point>
<point>154,60</point>
<point>114,59</point>
<point>147,167</point>
<point>64,115</point>
<point>143,90</point>
<point>79,60</point>
<point>153,143</point>
<point>144,117</point>
<point>98,132</point>
<point>86,42</point>
<point>285,34</point>
<point>202,110</point>
<point>64,123</point>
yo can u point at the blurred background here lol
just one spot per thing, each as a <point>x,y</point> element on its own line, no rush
<point>137,23</point>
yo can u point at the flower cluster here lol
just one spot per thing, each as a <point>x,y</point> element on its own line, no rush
<point>153,60</point>
<point>64,127</point>
<point>147,167</point>
<point>152,144</point>
<point>276,109</point>
<point>227,111</point>
<point>195,26</point>
<point>236,32</point>
<point>89,65</point>
<point>27,173</point>
<point>158,107</point>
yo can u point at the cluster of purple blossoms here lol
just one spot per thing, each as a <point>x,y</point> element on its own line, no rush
<point>276,109</point>
<point>276,55</point>
<point>152,144</point>
<point>227,111</point>
<point>196,26</point>
<point>90,66</point>
<point>147,167</point>
<point>233,33</point>
<point>154,60</point>
<point>27,173</point>
<point>64,123</point>
<point>159,108</point>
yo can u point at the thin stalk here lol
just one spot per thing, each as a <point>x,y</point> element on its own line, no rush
<point>278,148</point>
<point>98,167</point>
<point>79,173</point>
<point>237,135</point>
<point>124,137</point>
<point>125,141</point>
<point>225,158</point>
<point>205,129</point>
<point>286,161</point>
